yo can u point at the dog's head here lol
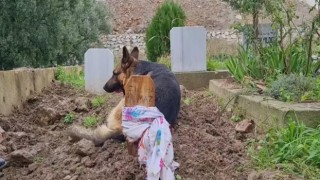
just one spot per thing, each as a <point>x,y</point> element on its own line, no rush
<point>123,71</point>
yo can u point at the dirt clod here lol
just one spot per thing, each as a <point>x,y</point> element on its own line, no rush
<point>84,148</point>
<point>21,157</point>
<point>82,104</point>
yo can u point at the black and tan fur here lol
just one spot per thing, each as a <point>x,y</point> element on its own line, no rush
<point>167,92</point>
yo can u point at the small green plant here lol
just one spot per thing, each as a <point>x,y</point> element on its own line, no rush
<point>292,87</point>
<point>295,149</point>
<point>236,118</point>
<point>168,15</point>
<point>69,118</point>
<point>237,115</point>
<point>213,65</point>
<point>187,101</point>
<point>98,101</point>
<point>178,177</point>
<point>74,77</point>
<point>38,160</point>
<point>90,121</point>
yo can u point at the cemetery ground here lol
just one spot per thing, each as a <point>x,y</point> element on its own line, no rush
<point>205,141</point>
<point>205,144</point>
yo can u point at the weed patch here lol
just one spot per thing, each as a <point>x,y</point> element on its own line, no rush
<point>73,78</point>
<point>294,149</point>
<point>98,101</point>
<point>69,118</point>
<point>90,121</point>
<point>213,65</point>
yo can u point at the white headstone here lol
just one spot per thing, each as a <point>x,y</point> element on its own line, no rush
<point>188,49</point>
<point>98,67</point>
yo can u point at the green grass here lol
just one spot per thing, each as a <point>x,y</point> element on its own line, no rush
<point>214,64</point>
<point>294,149</point>
<point>69,118</point>
<point>73,77</point>
<point>98,101</point>
<point>90,121</point>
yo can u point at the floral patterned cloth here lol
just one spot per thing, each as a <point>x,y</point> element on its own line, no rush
<point>155,148</point>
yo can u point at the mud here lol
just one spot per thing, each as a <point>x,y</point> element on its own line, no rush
<point>36,146</point>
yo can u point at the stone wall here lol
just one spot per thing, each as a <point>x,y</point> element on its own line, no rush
<point>115,42</point>
<point>17,85</point>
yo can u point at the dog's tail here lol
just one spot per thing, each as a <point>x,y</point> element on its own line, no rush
<point>97,136</point>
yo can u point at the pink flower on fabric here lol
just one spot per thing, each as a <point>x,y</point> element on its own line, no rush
<point>161,163</point>
<point>161,120</point>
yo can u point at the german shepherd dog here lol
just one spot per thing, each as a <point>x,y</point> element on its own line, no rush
<point>167,92</point>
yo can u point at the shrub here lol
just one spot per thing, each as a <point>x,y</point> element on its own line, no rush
<point>292,87</point>
<point>49,33</point>
<point>168,15</point>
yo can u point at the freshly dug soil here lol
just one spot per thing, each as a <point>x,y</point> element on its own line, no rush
<point>205,144</point>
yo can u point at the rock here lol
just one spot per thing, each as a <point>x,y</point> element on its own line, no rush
<point>49,176</point>
<point>2,148</point>
<point>66,172</point>
<point>89,163</point>
<point>18,135</point>
<point>84,147</point>
<point>21,158</point>
<point>83,104</point>
<point>233,36</point>
<point>244,126</point>
<point>129,31</point>
<point>67,177</point>
<point>2,135</point>
<point>32,167</point>
<point>238,16</point>
<point>74,178</point>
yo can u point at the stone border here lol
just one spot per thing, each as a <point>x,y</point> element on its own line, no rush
<point>199,80</point>
<point>266,111</point>
<point>19,84</point>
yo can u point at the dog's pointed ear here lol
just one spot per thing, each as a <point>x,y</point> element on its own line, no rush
<point>125,53</point>
<point>135,52</point>
<point>126,58</point>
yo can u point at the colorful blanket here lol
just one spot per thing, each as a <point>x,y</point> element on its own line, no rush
<point>155,148</point>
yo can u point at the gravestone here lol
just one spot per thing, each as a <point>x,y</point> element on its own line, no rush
<point>188,49</point>
<point>266,34</point>
<point>98,67</point>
